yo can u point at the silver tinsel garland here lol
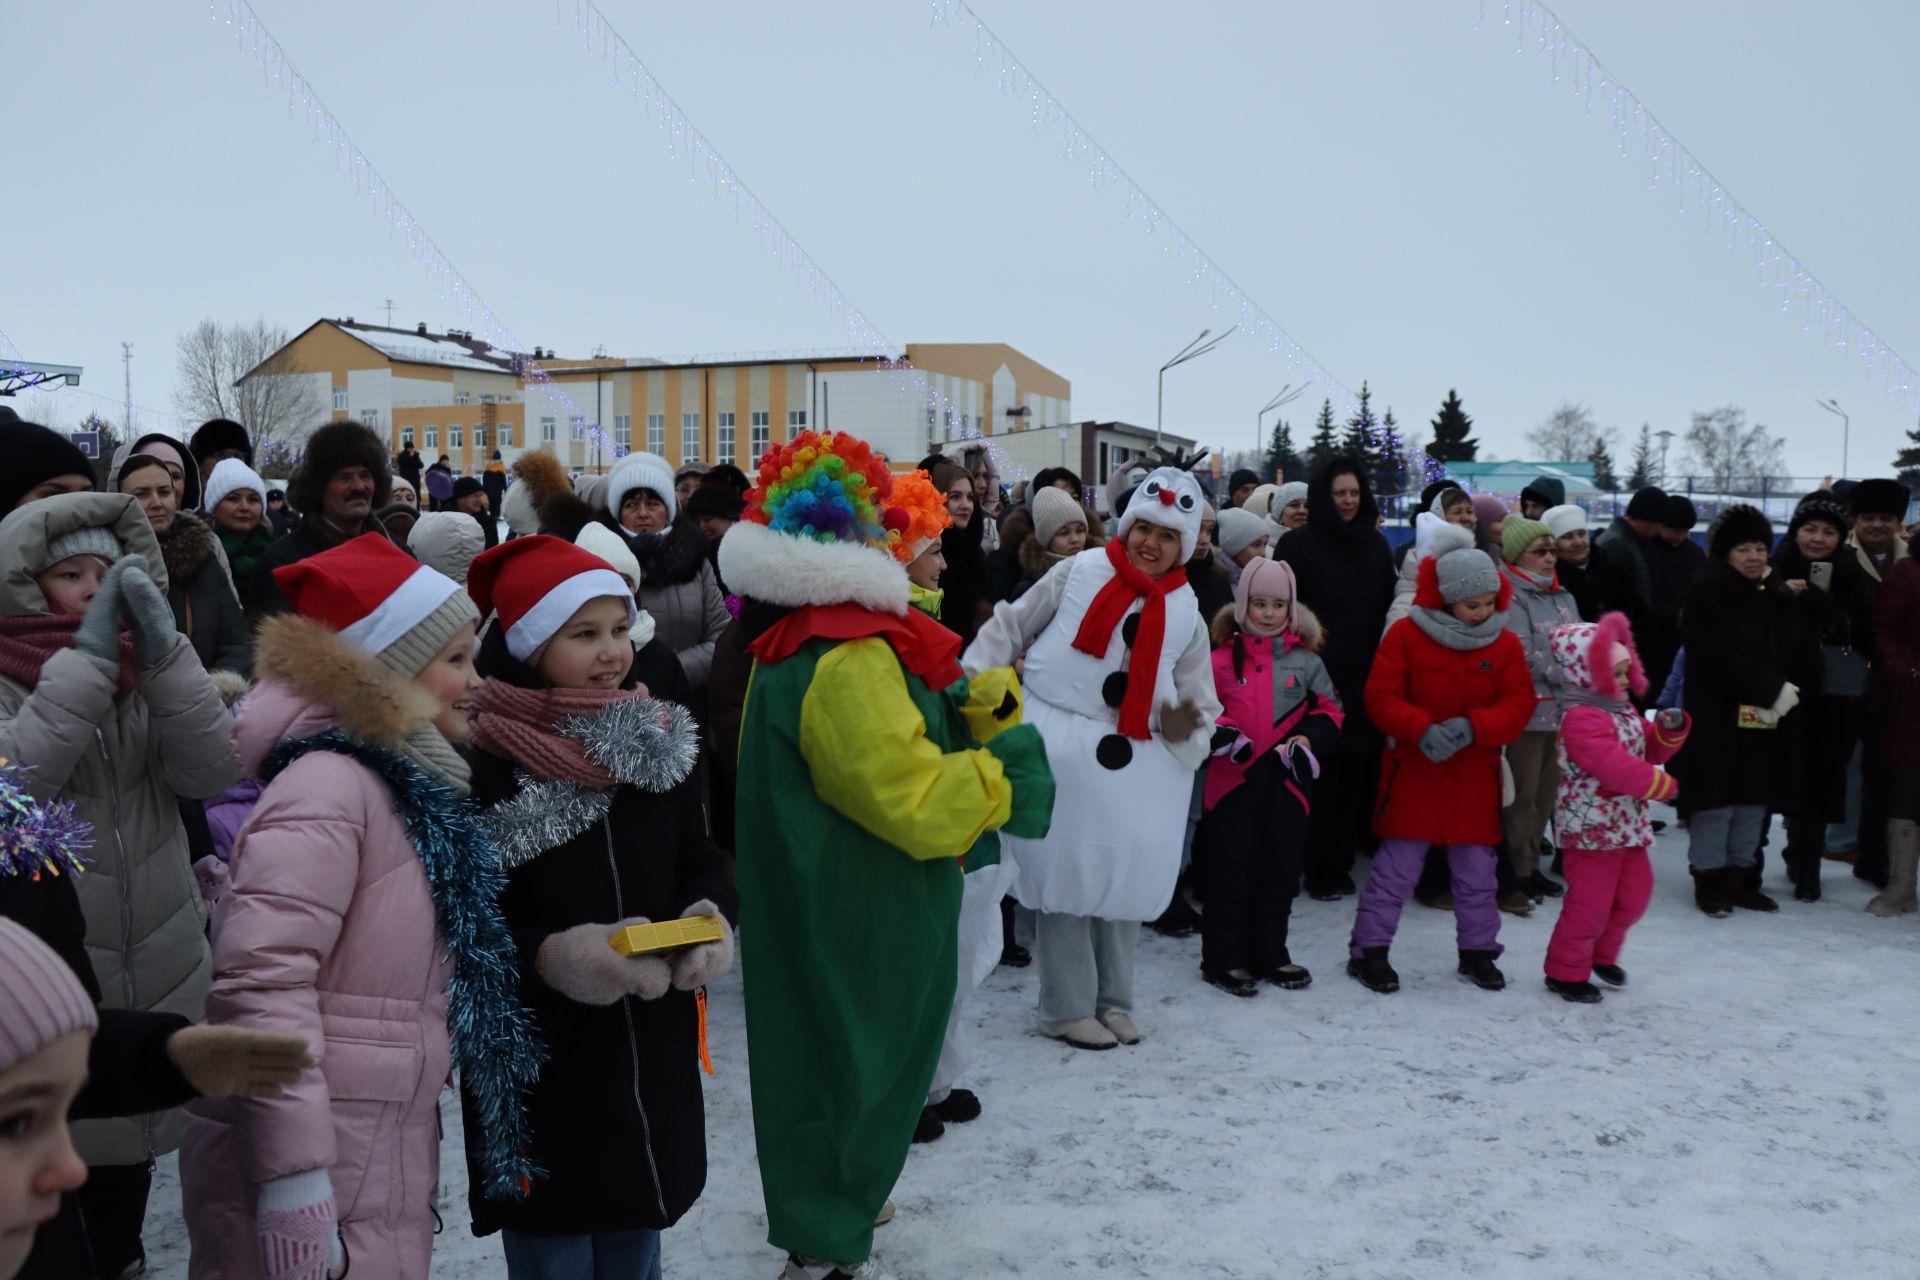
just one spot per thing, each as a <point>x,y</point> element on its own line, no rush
<point>647,742</point>
<point>542,816</point>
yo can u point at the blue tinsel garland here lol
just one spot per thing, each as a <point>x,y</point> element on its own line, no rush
<point>494,1043</point>
<point>37,836</point>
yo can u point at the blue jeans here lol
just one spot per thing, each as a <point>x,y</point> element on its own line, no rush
<point>616,1255</point>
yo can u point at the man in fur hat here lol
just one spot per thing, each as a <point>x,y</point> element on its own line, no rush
<point>336,489</point>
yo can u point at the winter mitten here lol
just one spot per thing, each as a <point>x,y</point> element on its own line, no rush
<point>698,965</point>
<point>296,1227</point>
<point>1181,720</point>
<point>213,877</point>
<point>1225,738</point>
<point>1789,699</point>
<point>230,1062</point>
<point>1444,739</point>
<point>1023,755</point>
<point>147,612</point>
<point>99,633</point>
<point>1300,762</point>
<point>581,965</point>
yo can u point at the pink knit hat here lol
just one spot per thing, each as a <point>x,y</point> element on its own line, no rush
<point>1264,578</point>
<point>40,998</point>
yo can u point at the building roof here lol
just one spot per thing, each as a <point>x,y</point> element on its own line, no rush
<point>418,345</point>
<point>1576,476</point>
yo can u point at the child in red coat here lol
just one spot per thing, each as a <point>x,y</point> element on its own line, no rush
<point>1449,688</point>
<point>1609,770</point>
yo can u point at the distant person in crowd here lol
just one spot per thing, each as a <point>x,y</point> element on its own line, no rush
<point>336,489</point>
<point>724,475</point>
<point>404,492</point>
<point>1540,604</point>
<point>409,466</point>
<point>1896,672</point>
<point>1674,561</point>
<point>977,458</point>
<point>715,508</point>
<point>967,598</point>
<point>1240,486</point>
<point>1291,500</point>
<point>40,463</point>
<point>1242,538</point>
<point>493,479</point>
<point>217,440</point>
<point>1622,555</point>
<point>1053,528</point>
<point>686,478</point>
<point>470,499</point>
<point>199,590</point>
<point>1212,584</point>
<point>1446,505</point>
<point>283,518</point>
<point>170,453</point>
<point>399,518</point>
<point>1344,571</point>
<point>446,542</point>
<point>1541,492</point>
<point>439,480</point>
<point>235,502</point>
<point>1573,557</point>
<point>1878,508</point>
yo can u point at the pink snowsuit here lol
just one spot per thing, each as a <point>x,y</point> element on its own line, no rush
<point>1609,760</point>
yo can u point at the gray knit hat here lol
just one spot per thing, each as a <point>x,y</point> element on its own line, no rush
<point>1239,530</point>
<point>1291,492</point>
<point>1053,510</point>
<point>1460,569</point>
<point>41,999</point>
<point>95,540</point>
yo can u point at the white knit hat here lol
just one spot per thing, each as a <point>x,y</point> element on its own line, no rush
<point>611,547</point>
<point>447,542</point>
<point>1053,510</point>
<point>227,475</point>
<point>1239,530</point>
<point>640,471</point>
<point>1564,519</point>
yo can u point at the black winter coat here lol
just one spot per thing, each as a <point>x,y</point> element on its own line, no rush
<point>310,539</point>
<point>1344,573</point>
<point>1211,585</point>
<point>1744,640</point>
<point>617,1116</point>
<point>206,608</point>
<point>1832,723</point>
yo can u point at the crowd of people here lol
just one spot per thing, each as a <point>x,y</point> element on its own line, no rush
<point>386,799</point>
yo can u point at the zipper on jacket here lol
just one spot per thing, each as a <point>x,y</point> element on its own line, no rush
<point>633,1039</point>
<point>126,910</point>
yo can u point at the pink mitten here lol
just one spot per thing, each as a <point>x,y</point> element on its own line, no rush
<point>294,1224</point>
<point>697,966</point>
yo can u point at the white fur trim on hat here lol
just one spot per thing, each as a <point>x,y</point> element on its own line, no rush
<point>227,475</point>
<point>537,625</point>
<point>641,471</point>
<point>1565,518</point>
<point>779,569</point>
<point>1181,513</point>
<point>410,605</point>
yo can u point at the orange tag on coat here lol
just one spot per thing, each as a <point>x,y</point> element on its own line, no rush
<point>700,1004</point>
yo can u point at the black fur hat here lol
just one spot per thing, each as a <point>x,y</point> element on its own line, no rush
<point>1735,525</point>
<point>332,449</point>
<point>217,434</point>
<point>1880,497</point>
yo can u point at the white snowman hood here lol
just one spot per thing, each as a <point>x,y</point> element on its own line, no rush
<point>1171,498</point>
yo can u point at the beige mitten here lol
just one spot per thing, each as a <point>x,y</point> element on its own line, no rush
<point>237,1062</point>
<point>698,965</point>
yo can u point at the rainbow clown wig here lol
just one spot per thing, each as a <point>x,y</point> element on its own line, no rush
<point>827,521</point>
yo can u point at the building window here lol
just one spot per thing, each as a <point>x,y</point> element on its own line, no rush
<point>340,397</point>
<point>760,437</point>
<point>506,435</point>
<point>459,397</point>
<point>486,399</point>
<point>579,426</point>
<point>371,417</point>
<point>453,437</point>
<point>657,433</point>
<point>623,430</point>
<point>432,437</point>
<point>479,437</point>
<point>406,437</point>
<point>723,437</point>
<point>689,437</point>
<point>546,430</point>
<point>933,418</point>
<point>796,421</point>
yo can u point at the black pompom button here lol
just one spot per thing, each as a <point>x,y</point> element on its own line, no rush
<point>1113,690</point>
<point>1130,628</point>
<point>1114,752</point>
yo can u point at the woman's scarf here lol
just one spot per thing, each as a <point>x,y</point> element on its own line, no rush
<point>28,641</point>
<point>1109,607</point>
<point>1524,578</point>
<point>1448,631</point>
<point>244,551</point>
<point>527,727</point>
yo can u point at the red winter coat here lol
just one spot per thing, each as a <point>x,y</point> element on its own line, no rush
<point>1416,683</point>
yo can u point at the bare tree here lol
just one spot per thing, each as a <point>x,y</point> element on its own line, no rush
<point>274,406</point>
<point>1568,434</point>
<point>1728,455</point>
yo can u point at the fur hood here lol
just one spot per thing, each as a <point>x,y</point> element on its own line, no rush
<point>312,679</point>
<point>1306,623</point>
<point>1584,652</point>
<point>1035,560</point>
<point>537,477</point>
<point>778,569</point>
<point>186,547</point>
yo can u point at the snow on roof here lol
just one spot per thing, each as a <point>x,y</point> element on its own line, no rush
<point>416,348</point>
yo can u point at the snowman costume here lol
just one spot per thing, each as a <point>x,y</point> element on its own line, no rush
<point>1112,860</point>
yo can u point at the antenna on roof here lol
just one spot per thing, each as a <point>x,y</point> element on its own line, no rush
<point>389,305</point>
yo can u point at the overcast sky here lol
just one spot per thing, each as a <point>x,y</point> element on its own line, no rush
<point>1398,190</point>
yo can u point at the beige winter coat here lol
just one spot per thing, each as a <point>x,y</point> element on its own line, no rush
<point>122,763</point>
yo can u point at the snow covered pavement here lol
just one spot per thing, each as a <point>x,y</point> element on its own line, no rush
<point>1748,1107</point>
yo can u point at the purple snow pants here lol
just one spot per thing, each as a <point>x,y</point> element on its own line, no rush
<point>1396,869</point>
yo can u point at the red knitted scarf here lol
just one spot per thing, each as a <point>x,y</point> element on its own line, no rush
<point>523,725</point>
<point>29,640</point>
<point>1109,607</point>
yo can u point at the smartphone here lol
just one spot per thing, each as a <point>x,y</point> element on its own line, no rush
<point>1820,575</point>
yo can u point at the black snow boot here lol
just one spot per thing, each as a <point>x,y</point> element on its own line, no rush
<point>1542,885</point>
<point>930,1126</point>
<point>1574,992</point>
<point>1178,921</point>
<point>1743,890</point>
<point>1370,967</point>
<point>1235,982</point>
<point>1611,974</point>
<point>1710,893</point>
<point>1289,976</point>
<point>958,1107</point>
<point>1478,968</point>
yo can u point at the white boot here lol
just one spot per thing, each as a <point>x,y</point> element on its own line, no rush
<point>1083,1033</point>
<point>798,1269</point>
<point>1903,853</point>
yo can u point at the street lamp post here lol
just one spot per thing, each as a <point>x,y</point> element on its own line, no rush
<point>1192,351</point>
<point>1288,394</point>
<point>1665,438</point>
<point>1846,430</point>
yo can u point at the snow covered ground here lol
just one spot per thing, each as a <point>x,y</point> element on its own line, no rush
<point>1748,1107</point>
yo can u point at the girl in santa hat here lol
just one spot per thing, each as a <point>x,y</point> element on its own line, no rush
<point>1119,681</point>
<point>587,783</point>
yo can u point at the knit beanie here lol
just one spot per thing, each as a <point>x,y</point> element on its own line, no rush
<point>1564,519</point>
<point>1520,532</point>
<point>41,999</point>
<point>1240,478</point>
<point>1264,501</point>
<point>1053,510</point>
<point>1822,506</point>
<point>596,539</point>
<point>467,487</point>
<point>536,584</point>
<point>34,455</point>
<point>403,485</point>
<point>218,434</point>
<point>95,540</point>
<point>1548,491</point>
<point>1265,578</point>
<point>1456,570</point>
<point>1681,513</point>
<point>447,542</point>
<point>227,475</point>
<point>1289,493</point>
<point>1649,503</point>
<point>381,598</point>
<point>1239,530</point>
<point>641,471</point>
<point>1487,509</point>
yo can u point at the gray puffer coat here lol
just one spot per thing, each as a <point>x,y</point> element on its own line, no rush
<point>123,762</point>
<point>1532,615</point>
<point>679,588</point>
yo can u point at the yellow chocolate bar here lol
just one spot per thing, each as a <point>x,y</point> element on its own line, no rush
<point>668,935</point>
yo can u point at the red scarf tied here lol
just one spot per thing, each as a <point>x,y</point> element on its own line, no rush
<point>29,641</point>
<point>1109,607</point>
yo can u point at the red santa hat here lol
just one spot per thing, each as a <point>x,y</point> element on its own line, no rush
<point>536,584</point>
<point>381,598</point>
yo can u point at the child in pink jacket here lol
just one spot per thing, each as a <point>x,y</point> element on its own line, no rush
<point>1609,770</point>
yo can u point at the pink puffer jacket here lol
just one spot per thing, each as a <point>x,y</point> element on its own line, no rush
<point>328,932</point>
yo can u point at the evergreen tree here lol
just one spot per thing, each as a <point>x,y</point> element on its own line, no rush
<point>1642,473</point>
<point>1906,463</point>
<point>1282,459</point>
<point>1363,430</point>
<point>1602,460</point>
<point>1393,459</point>
<point>1451,441</point>
<point>1324,444</point>
<point>109,441</point>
